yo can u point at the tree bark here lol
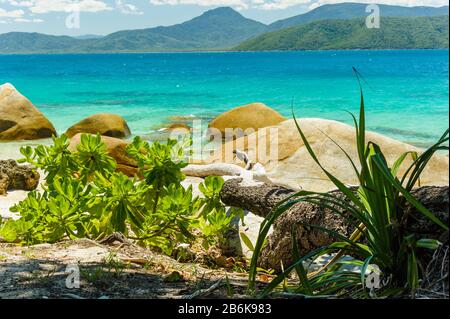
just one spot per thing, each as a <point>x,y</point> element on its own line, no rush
<point>258,198</point>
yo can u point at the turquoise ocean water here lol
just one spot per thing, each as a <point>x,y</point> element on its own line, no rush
<point>406,91</point>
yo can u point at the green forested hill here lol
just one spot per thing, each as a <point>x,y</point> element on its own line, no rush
<point>215,29</point>
<point>355,10</point>
<point>394,33</point>
<point>219,28</point>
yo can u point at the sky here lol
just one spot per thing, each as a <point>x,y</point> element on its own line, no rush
<point>101,17</point>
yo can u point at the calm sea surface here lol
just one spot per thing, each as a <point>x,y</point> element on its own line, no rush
<point>406,91</point>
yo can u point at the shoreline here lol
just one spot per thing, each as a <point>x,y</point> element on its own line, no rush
<point>11,149</point>
<point>222,51</point>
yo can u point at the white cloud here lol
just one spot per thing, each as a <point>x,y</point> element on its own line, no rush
<point>128,8</point>
<point>281,4</point>
<point>28,20</point>
<point>46,6</point>
<point>11,14</point>
<point>284,4</point>
<point>407,3</point>
<point>240,4</point>
<point>19,3</point>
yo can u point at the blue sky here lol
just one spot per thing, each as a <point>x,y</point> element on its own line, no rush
<point>106,16</point>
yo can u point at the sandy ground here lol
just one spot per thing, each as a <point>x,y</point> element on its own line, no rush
<point>84,269</point>
<point>13,197</point>
<point>11,150</point>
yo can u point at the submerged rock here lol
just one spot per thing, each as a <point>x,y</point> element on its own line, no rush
<point>179,127</point>
<point>250,116</point>
<point>111,125</point>
<point>175,131</point>
<point>20,119</point>
<point>18,177</point>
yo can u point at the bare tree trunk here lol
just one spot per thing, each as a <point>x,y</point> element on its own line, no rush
<point>261,199</point>
<point>257,198</point>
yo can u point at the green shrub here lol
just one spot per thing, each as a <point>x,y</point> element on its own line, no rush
<point>376,211</point>
<point>85,197</point>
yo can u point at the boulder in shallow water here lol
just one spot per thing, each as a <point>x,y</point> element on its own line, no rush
<point>250,116</point>
<point>20,119</point>
<point>116,149</point>
<point>179,127</point>
<point>18,177</point>
<point>111,125</point>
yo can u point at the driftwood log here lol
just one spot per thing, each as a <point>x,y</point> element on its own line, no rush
<point>219,169</point>
<point>261,199</point>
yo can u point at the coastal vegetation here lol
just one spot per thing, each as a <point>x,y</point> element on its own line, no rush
<point>84,197</point>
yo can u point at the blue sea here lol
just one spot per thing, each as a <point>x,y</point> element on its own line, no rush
<point>406,91</point>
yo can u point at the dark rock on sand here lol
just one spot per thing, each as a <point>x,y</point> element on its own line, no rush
<point>19,177</point>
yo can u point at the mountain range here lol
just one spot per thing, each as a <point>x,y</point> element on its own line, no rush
<point>224,28</point>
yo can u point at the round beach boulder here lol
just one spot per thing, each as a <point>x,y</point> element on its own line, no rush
<point>250,116</point>
<point>105,124</point>
<point>20,119</point>
<point>116,149</point>
<point>282,152</point>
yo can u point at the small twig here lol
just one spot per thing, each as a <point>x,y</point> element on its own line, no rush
<point>290,295</point>
<point>427,292</point>
<point>444,277</point>
<point>205,292</point>
<point>115,237</point>
<point>139,261</point>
